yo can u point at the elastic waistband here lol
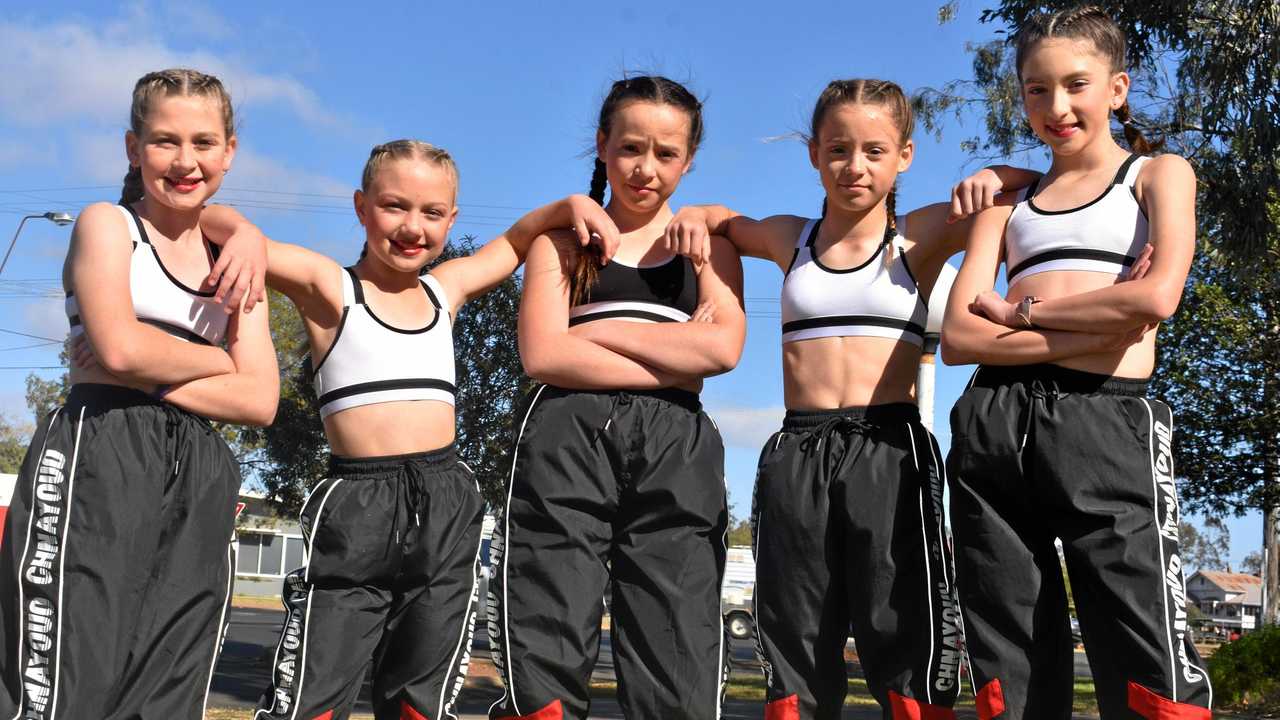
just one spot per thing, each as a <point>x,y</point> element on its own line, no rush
<point>676,396</point>
<point>802,420</point>
<point>382,464</point>
<point>101,395</point>
<point>1060,379</point>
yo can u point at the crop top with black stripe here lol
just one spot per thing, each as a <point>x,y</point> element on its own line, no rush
<point>869,300</point>
<point>371,361</point>
<point>159,298</point>
<point>667,292</point>
<point>1104,235</point>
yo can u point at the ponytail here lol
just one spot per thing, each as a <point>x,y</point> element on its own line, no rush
<point>891,223</point>
<point>1132,135</point>
<point>586,267</point>
<point>132,190</point>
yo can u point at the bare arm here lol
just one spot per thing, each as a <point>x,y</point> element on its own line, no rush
<point>1168,186</point>
<point>247,396</point>
<point>688,349</point>
<point>97,268</point>
<point>550,353</point>
<point>689,233</point>
<point>970,338</point>
<point>466,278</point>
<point>238,274</point>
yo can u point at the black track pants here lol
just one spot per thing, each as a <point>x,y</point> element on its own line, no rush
<point>1042,452</point>
<point>621,484</point>
<point>117,562</point>
<point>393,555</point>
<point>848,528</point>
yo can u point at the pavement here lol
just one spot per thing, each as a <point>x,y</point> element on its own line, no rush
<point>244,667</point>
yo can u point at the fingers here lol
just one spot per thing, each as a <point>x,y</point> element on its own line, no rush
<point>227,282</point>
<point>705,312</point>
<point>82,353</point>
<point>1142,264</point>
<point>988,197</point>
<point>219,267</point>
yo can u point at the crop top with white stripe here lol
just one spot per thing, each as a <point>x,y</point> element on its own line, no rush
<point>1104,235</point>
<point>373,362</point>
<point>869,300</point>
<point>650,293</point>
<point>159,298</point>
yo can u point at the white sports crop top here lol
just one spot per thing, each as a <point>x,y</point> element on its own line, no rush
<point>868,300</point>
<point>373,362</point>
<point>159,298</point>
<point>1104,235</point>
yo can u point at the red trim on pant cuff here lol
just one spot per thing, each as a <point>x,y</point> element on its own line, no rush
<point>787,708</point>
<point>905,708</point>
<point>407,712</point>
<point>990,700</point>
<point>552,711</point>
<point>1156,707</point>
<point>326,715</point>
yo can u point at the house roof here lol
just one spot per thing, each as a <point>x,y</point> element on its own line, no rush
<point>1248,585</point>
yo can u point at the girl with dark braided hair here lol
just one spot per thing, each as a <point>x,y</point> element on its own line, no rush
<point>1055,437</point>
<point>617,474</point>
<point>846,516</point>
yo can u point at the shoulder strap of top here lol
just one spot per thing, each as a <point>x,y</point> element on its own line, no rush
<point>435,291</point>
<point>1128,173</point>
<point>137,232</point>
<point>352,292</point>
<point>809,235</point>
<point>1029,191</point>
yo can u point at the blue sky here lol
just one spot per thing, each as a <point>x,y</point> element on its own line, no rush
<point>510,90</point>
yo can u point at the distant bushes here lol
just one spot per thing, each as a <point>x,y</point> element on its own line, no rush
<point>1248,670</point>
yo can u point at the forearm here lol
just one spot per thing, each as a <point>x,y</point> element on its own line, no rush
<point>219,223</point>
<point>1113,309</point>
<point>240,398</point>
<point>574,362</point>
<point>1013,178</point>
<point>984,342</point>
<point>148,355</point>
<point>685,349</point>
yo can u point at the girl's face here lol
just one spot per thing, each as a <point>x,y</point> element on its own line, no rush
<point>646,153</point>
<point>1069,92</point>
<point>183,151</point>
<point>858,155</point>
<point>407,212</point>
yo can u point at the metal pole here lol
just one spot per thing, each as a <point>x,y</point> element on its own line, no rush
<point>14,241</point>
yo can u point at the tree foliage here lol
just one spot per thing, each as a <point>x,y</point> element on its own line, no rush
<point>1209,549</point>
<point>13,445</point>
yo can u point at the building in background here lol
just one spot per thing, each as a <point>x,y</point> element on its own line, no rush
<point>1230,601</point>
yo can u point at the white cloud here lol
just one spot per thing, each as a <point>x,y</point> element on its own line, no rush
<point>46,318</point>
<point>74,70</point>
<point>747,427</point>
<point>17,154</point>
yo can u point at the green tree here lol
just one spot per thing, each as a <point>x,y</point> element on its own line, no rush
<point>1207,83</point>
<point>13,445</point>
<point>490,379</point>
<point>43,396</point>
<point>1207,550</point>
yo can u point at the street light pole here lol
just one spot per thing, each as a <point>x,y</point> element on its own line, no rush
<point>57,218</point>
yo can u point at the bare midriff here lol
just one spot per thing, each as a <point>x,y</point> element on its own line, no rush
<point>838,372</point>
<point>1136,361</point>
<point>392,428</point>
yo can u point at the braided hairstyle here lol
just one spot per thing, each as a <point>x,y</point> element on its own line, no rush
<point>1093,24</point>
<point>180,82</point>
<point>866,91</point>
<point>641,88</point>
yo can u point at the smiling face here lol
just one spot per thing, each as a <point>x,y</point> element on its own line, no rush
<point>1069,91</point>
<point>407,212</point>
<point>183,150</point>
<point>858,152</point>
<point>645,154</point>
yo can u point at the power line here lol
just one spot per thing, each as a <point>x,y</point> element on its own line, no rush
<point>28,335</point>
